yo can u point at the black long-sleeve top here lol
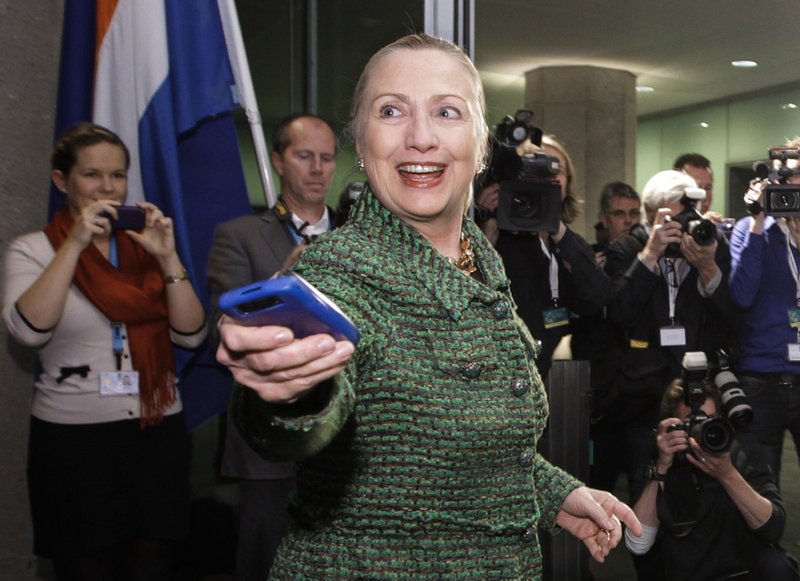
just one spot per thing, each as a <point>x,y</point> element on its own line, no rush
<point>719,542</point>
<point>584,289</point>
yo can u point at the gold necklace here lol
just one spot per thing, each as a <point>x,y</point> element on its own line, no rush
<point>466,261</point>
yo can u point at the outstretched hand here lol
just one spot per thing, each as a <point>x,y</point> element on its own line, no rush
<point>278,367</point>
<point>594,516</point>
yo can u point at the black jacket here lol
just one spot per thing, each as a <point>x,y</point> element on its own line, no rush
<point>640,308</point>
<point>583,286</point>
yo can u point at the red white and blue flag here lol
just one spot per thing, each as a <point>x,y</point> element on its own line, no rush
<point>157,73</point>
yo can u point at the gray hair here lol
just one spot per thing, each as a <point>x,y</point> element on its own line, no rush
<point>663,189</point>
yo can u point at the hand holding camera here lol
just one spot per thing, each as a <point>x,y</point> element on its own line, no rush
<point>708,426</point>
<point>775,191</point>
<point>663,233</point>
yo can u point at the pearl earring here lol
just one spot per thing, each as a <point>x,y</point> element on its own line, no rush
<point>360,163</point>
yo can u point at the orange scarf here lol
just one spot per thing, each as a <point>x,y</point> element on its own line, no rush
<point>132,294</point>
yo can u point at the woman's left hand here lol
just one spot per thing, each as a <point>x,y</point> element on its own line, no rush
<point>157,237</point>
<point>715,465</point>
<point>594,517</point>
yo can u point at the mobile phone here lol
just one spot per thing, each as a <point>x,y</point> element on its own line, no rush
<point>288,301</point>
<point>128,218</point>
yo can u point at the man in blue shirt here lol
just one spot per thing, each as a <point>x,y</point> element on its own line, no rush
<point>764,282</point>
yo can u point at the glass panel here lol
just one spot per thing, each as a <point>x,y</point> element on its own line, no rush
<point>277,37</point>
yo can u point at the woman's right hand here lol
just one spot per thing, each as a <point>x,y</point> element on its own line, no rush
<point>91,222</point>
<point>280,368</point>
<point>670,442</point>
<point>663,233</point>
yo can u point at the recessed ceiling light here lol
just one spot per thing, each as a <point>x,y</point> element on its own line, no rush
<point>704,125</point>
<point>644,89</point>
<point>788,106</point>
<point>744,64</point>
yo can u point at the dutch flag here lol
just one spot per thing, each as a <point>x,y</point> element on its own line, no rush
<point>157,73</point>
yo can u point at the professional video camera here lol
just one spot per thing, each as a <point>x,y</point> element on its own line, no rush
<point>780,198</point>
<point>714,435</point>
<point>530,197</point>
<point>702,230</point>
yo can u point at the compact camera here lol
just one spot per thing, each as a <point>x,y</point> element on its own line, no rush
<point>128,218</point>
<point>780,198</point>
<point>702,230</point>
<point>530,196</point>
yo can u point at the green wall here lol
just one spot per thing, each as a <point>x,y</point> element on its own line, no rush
<point>739,132</point>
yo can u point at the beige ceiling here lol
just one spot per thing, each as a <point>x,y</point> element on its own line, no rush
<point>682,48</point>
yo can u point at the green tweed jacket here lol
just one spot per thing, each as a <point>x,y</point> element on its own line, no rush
<point>419,461</point>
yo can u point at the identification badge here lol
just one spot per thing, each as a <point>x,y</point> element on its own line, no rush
<point>119,383</point>
<point>557,317</point>
<point>794,318</point>
<point>794,351</point>
<point>674,336</point>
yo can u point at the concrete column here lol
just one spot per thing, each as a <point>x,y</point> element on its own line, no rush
<point>592,112</point>
<point>30,35</point>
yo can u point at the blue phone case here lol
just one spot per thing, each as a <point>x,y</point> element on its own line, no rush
<point>288,301</point>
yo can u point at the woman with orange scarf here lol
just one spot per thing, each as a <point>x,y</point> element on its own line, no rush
<point>108,465</point>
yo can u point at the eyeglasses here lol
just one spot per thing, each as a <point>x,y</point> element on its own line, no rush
<point>632,214</point>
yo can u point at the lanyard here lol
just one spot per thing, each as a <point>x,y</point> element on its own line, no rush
<point>553,272</point>
<point>116,328</point>
<point>113,254</point>
<point>793,267</point>
<point>301,230</point>
<point>116,343</point>
<point>675,271</point>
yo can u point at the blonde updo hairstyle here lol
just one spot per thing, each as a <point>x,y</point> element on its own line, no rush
<point>476,102</point>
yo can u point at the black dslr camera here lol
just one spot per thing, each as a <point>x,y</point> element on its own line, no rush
<point>702,230</point>
<point>714,435</point>
<point>780,198</point>
<point>530,197</point>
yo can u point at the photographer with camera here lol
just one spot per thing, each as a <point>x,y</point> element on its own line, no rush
<point>766,285</point>
<point>716,513</point>
<point>524,207</point>
<point>671,297</point>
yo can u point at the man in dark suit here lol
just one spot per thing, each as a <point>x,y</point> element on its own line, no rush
<point>253,248</point>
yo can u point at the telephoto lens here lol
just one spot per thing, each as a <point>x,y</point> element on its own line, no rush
<point>734,400</point>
